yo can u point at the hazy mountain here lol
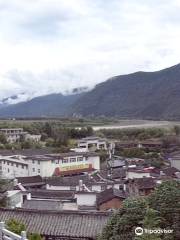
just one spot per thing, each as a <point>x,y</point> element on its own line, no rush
<point>43,106</point>
<point>153,95</point>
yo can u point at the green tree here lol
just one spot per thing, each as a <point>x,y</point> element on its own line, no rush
<point>151,221</point>
<point>3,138</point>
<point>15,226</point>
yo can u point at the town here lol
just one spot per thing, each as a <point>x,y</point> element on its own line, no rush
<point>81,185</point>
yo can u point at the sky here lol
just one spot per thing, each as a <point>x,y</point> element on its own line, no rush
<point>49,46</point>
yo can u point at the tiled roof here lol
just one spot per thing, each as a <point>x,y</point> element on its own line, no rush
<point>59,223</point>
<point>51,194</point>
<point>31,181</point>
<point>170,171</point>
<point>144,183</point>
<point>109,194</point>
<point>68,181</point>
<point>42,204</point>
<point>25,152</point>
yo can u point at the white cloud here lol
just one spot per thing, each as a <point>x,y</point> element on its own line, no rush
<point>55,45</point>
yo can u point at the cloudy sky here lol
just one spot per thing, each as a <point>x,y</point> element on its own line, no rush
<point>55,45</point>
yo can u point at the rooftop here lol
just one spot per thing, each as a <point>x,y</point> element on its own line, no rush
<point>109,194</point>
<point>59,223</point>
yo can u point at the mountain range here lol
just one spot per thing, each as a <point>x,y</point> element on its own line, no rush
<point>145,95</point>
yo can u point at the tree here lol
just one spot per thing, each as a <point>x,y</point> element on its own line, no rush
<point>151,221</point>
<point>17,227</point>
<point>3,138</point>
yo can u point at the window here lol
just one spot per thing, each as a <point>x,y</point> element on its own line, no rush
<point>33,169</point>
<point>38,162</point>
<point>79,159</point>
<point>23,166</point>
<point>73,188</point>
<point>86,158</point>
<point>8,169</point>
<point>52,161</point>
<point>65,160</point>
<point>4,162</point>
<point>72,159</point>
<point>7,163</point>
<point>33,161</point>
<point>103,187</point>
<point>17,165</point>
<point>38,170</point>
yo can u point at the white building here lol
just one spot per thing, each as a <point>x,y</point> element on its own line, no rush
<point>92,144</point>
<point>15,134</point>
<point>48,165</point>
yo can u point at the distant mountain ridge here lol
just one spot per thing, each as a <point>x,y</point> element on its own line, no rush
<point>43,106</point>
<point>145,95</point>
<point>153,95</point>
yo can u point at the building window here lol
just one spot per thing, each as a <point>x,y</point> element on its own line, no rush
<point>8,170</point>
<point>65,160</point>
<point>33,169</point>
<point>38,170</point>
<point>73,188</point>
<point>72,159</point>
<point>23,166</point>
<point>52,161</point>
<point>86,158</point>
<point>17,165</point>
<point>38,162</point>
<point>103,187</point>
<point>4,162</point>
<point>79,159</point>
<point>7,163</point>
<point>33,161</point>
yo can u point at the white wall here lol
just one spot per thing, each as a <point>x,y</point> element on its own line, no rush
<point>88,199</point>
<point>132,175</point>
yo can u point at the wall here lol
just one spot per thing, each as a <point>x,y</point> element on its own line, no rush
<point>132,175</point>
<point>113,203</point>
<point>175,163</point>
<point>86,199</point>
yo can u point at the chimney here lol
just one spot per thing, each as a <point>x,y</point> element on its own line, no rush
<point>80,185</point>
<point>15,182</point>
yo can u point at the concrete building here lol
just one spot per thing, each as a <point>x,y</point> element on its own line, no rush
<point>48,165</point>
<point>175,160</point>
<point>15,134</point>
<point>92,144</point>
<point>12,134</point>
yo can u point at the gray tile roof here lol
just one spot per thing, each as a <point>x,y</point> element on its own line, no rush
<point>42,204</point>
<point>51,194</point>
<point>59,223</point>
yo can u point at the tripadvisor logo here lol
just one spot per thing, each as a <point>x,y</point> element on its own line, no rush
<point>139,231</point>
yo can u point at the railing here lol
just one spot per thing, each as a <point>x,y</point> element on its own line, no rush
<point>8,235</point>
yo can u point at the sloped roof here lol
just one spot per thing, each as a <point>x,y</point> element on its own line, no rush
<point>109,194</point>
<point>59,223</point>
<point>51,194</point>
<point>42,204</point>
<point>30,181</point>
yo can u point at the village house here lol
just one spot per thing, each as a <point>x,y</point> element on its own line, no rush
<point>175,160</point>
<point>111,199</point>
<point>92,144</point>
<point>140,186</point>
<point>136,172</point>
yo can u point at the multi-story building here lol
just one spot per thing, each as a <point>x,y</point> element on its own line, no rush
<point>48,165</point>
<point>92,144</point>
<point>12,134</point>
<point>15,134</point>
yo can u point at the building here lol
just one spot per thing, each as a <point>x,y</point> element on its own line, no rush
<point>16,134</point>
<point>13,134</point>
<point>175,160</point>
<point>141,172</point>
<point>92,144</point>
<point>48,165</point>
<point>140,186</point>
<point>111,199</point>
<point>61,225</point>
<point>13,166</point>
